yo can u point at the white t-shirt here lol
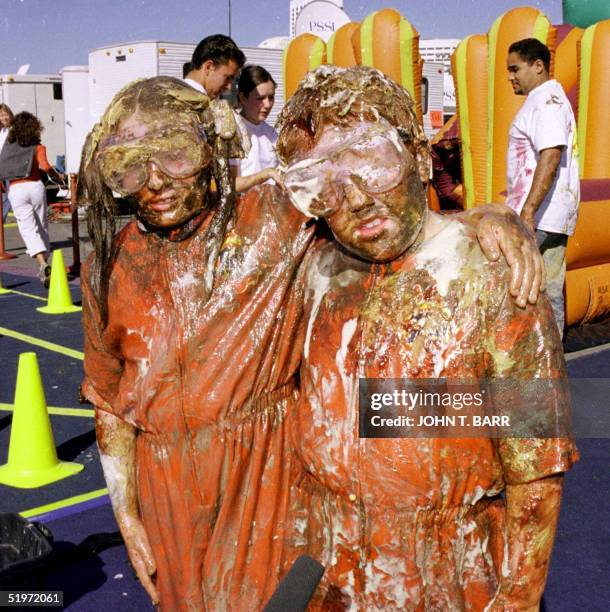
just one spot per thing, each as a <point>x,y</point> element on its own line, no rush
<point>196,85</point>
<point>545,120</point>
<point>262,151</point>
<point>3,134</point>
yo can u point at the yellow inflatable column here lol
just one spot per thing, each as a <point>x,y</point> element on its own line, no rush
<point>339,48</point>
<point>387,41</point>
<point>304,53</point>
<point>469,66</point>
<point>503,104</point>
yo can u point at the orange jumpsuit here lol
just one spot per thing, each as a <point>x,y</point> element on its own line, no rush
<point>406,523</point>
<point>207,385</point>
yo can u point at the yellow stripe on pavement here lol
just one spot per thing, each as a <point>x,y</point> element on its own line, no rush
<point>51,346</point>
<point>30,295</point>
<point>64,503</point>
<point>77,412</point>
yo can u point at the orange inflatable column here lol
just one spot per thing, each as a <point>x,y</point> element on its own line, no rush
<point>469,67</point>
<point>339,48</point>
<point>566,62</point>
<point>390,43</point>
<point>304,53</point>
<point>587,294</point>
<point>588,252</point>
<point>593,102</point>
<point>503,104</point>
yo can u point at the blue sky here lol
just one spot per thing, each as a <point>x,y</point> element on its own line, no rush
<point>50,34</point>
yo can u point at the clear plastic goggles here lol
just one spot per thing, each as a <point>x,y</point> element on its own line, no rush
<point>123,163</point>
<point>372,161</point>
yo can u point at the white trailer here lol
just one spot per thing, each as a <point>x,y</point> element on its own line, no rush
<point>112,67</point>
<point>433,85</point>
<point>41,95</point>
<point>75,80</point>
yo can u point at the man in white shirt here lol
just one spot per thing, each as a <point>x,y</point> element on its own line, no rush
<point>215,63</point>
<point>542,161</point>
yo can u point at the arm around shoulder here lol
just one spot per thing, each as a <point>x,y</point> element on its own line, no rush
<point>500,231</point>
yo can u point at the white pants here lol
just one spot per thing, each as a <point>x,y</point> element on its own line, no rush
<point>29,203</point>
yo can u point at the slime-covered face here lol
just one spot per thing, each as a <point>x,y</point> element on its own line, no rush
<point>365,183</point>
<point>159,165</point>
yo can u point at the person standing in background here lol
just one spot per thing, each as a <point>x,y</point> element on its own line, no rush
<point>447,166</point>
<point>28,195</point>
<point>542,161</point>
<point>214,65</point>
<point>6,119</point>
<point>256,94</point>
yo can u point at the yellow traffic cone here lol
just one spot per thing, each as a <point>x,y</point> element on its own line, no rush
<point>32,458</point>
<point>60,300</point>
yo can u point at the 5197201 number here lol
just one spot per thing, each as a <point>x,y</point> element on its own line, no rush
<point>31,598</point>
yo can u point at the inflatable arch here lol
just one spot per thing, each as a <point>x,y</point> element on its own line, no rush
<point>304,54</point>
<point>588,253</point>
<point>384,40</point>
<point>486,107</point>
<point>340,48</point>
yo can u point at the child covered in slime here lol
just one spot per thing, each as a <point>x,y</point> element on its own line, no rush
<point>407,523</point>
<point>190,385</point>
<point>191,320</point>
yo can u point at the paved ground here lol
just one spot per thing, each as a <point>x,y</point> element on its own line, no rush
<point>78,508</point>
<point>60,232</point>
<point>103,579</point>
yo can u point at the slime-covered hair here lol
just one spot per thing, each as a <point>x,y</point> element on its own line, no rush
<point>337,96</point>
<point>174,102</point>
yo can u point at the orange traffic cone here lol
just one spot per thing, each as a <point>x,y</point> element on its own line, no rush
<point>60,300</point>
<point>32,458</point>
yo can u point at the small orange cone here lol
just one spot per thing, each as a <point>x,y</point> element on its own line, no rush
<point>60,300</point>
<point>32,458</point>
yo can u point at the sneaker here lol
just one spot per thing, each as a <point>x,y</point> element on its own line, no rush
<point>45,274</point>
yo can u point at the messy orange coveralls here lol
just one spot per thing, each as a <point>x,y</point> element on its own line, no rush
<point>207,385</point>
<point>406,523</point>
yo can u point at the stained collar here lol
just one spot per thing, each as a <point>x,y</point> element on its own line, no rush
<point>177,234</point>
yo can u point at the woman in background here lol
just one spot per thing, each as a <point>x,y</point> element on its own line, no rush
<point>6,119</point>
<point>256,94</point>
<point>28,195</point>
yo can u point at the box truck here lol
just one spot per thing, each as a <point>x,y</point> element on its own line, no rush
<point>112,67</point>
<point>75,81</point>
<point>433,79</point>
<point>41,95</point>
